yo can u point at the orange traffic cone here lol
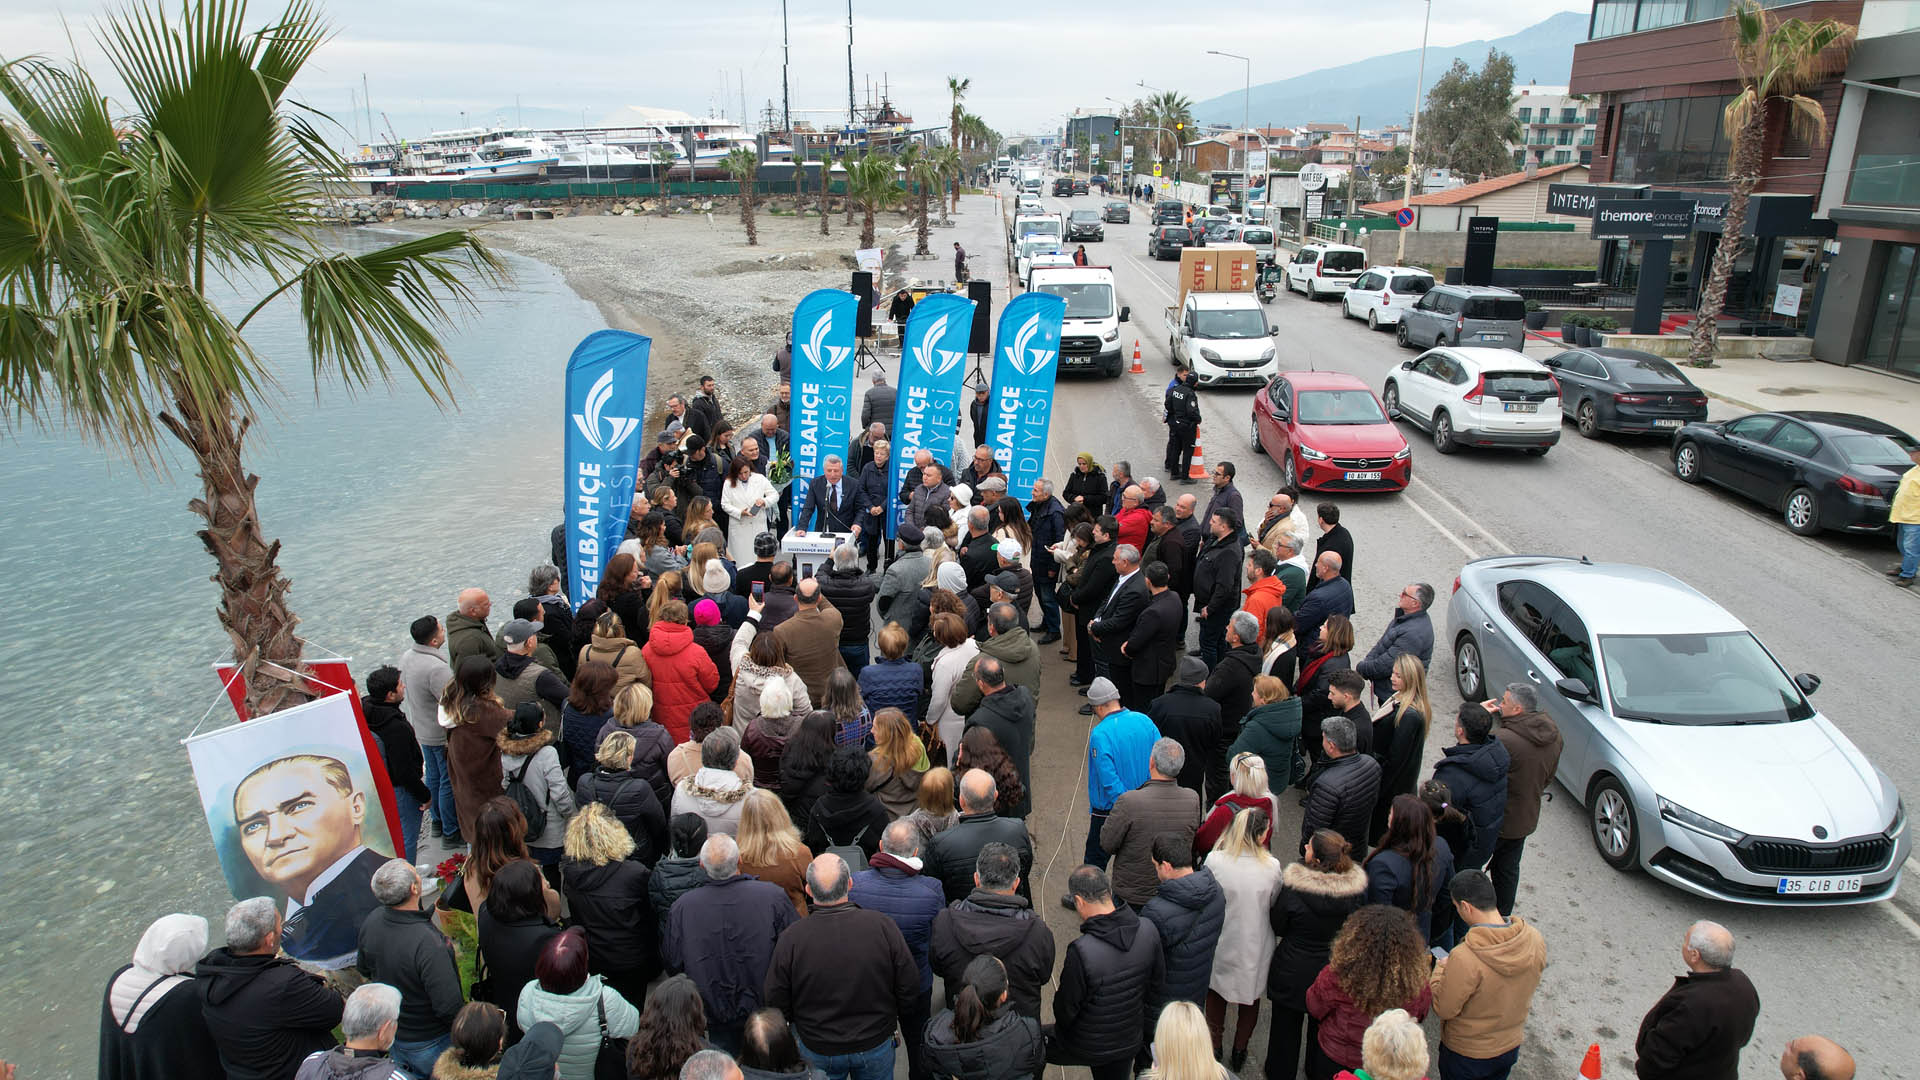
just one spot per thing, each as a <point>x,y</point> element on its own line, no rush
<point>1198,470</point>
<point>1137,368</point>
<point>1590,1068</point>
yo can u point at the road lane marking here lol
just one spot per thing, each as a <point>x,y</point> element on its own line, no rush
<point>1151,277</point>
<point>1443,530</point>
<point>1479,529</point>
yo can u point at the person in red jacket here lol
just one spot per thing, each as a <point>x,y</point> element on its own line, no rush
<point>1379,962</point>
<point>683,674</point>
<point>1264,590</point>
<point>1133,517</point>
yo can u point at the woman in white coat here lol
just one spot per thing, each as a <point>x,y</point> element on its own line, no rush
<point>747,498</point>
<point>957,651</point>
<point>1250,876</point>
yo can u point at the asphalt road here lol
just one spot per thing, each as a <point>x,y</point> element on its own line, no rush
<point>1821,604</point>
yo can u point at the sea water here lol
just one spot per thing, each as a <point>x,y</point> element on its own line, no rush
<point>386,507</point>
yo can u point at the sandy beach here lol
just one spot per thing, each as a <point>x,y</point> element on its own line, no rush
<point>689,281</point>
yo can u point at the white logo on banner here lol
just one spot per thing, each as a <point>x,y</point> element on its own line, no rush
<point>589,423</point>
<point>1036,358</point>
<point>936,362</point>
<point>825,357</point>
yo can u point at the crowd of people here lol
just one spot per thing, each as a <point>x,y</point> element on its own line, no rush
<point>728,820</point>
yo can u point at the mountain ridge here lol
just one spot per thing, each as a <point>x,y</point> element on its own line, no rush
<point>1379,89</point>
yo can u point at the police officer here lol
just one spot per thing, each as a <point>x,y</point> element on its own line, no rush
<point>1183,422</point>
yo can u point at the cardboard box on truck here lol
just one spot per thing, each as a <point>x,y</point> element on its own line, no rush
<point>1198,270</point>
<point>1218,268</point>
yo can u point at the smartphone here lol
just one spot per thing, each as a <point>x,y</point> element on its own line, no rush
<point>759,590</point>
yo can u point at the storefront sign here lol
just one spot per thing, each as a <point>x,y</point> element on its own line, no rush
<point>1642,219</point>
<point>1577,200</point>
<point>1786,299</point>
<point>1709,210</point>
<point>1483,234</point>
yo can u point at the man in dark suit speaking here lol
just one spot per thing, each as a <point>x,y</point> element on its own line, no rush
<point>1115,619</point>
<point>299,819</point>
<point>829,505</point>
<point>1149,648</point>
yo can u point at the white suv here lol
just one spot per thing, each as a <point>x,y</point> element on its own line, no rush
<point>1324,269</point>
<point>1383,292</point>
<point>1477,397</point>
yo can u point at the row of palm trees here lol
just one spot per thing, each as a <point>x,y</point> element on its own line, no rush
<point>874,181</point>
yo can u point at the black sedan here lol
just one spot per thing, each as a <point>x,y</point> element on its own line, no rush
<point>1166,241</point>
<point>1624,390</point>
<point>1062,187</point>
<point>1079,187</point>
<point>1821,470</point>
<point>1117,213</point>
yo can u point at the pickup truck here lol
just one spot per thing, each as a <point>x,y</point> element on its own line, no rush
<point>1223,337</point>
<point>1090,334</point>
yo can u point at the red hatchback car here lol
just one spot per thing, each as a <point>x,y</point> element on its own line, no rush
<point>1329,433</point>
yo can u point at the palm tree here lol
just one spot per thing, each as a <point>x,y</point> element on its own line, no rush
<point>871,181</point>
<point>110,236</point>
<point>743,165</point>
<point>947,160</point>
<point>1174,112</point>
<point>662,156</point>
<point>1779,60</point>
<point>957,88</point>
<point>923,175</point>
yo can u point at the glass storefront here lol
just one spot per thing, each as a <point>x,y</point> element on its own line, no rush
<point>1894,340</point>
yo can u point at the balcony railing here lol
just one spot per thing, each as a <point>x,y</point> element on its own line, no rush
<point>1885,180</point>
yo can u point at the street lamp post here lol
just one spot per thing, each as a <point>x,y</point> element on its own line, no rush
<point>1413,136</point>
<point>1246,101</point>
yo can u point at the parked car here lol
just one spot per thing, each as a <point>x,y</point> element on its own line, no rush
<point>1215,231</point>
<point>1476,315</point>
<point>1260,237</point>
<point>1027,204</point>
<point>1624,390</point>
<point>1085,224</point>
<point>1169,212</point>
<point>1079,187</point>
<point>1324,269</point>
<point>1821,470</point>
<point>1062,186</point>
<point>1697,757</point>
<point>1383,293</point>
<point>1165,241</point>
<point>1477,397</point>
<point>1117,213</point>
<point>1101,179</point>
<point>1329,433</point>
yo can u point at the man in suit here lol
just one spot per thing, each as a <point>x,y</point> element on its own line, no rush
<point>1329,595</point>
<point>1334,537</point>
<point>829,502</point>
<point>1149,648</point>
<point>1116,617</point>
<point>1096,583</point>
<point>773,438</point>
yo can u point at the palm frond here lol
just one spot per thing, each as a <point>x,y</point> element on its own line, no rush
<point>64,109</point>
<point>364,311</point>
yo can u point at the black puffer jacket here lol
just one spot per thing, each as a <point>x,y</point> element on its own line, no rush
<point>631,799</point>
<point>1188,912</point>
<point>994,924</point>
<point>610,903</point>
<point>851,594</point>
<point>672,878</point>
<point>1307,913</point>
<point>1231,684</point>
<point>265,1013</point>
<point>1341,799</point>
<point>1216,579</point>
<point>953,851</point>
<point>1008,1048</point>
<point>1476,774</point>
<point>1113,970</point>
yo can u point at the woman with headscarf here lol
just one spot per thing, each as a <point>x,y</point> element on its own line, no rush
<point>151,1027</point>
<point>1087,486</point>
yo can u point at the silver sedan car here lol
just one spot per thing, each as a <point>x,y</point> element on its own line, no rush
<point>1696,755</point>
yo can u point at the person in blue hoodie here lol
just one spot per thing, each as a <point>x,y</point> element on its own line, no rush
<point>894,887</point>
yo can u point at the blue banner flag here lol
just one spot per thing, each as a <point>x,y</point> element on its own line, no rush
<point>1026,358</point>
<point>926,409</point>
<point>823,368</point>
<point>606,406</point>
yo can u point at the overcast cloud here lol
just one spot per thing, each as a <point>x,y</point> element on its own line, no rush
<point>426,63</point>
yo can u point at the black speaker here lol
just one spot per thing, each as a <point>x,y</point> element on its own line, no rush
<point>863,288</point>
<point>981,293</point>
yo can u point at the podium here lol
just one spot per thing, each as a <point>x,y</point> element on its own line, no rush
<point>811,553</point>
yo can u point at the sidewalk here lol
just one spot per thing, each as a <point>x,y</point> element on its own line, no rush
<point>1766,385</point>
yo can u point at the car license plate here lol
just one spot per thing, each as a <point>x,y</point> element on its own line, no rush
<point>1493,337</point>
<point>1669,423</point>
<point>1363,476</point>
<point>1523,406</point>
<point>1817,886</point>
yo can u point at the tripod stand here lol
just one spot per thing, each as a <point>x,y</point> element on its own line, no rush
<point>866,358</point>
<point>976,379</point>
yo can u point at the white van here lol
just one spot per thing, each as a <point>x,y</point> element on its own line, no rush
<point>1319,269</point>
<point>1090,336</point>
<point>1224,337</point>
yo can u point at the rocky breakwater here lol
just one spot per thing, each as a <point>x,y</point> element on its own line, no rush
<point>380,209</point>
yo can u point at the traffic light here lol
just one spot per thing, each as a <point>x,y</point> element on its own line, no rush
<point>1116,127</point>
<point>1179,126</point>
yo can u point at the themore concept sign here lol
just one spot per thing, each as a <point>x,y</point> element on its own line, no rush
<point>1643,219</point>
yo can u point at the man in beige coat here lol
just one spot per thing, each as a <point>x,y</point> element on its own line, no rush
<point>1483,989</point>
<point>812,639</point>
<point>1158,806</point>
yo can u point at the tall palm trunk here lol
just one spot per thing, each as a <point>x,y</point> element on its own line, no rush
<point>1705,343</point>
<point>746,213</point>
<point>826,199</point>
<point>866,225</point>
<point>926,226</point>
<point>253,604</point>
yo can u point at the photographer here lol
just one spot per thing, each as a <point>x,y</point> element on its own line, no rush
<point>684,470</point>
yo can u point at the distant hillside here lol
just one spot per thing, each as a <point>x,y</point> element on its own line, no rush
<point>1380,90</point>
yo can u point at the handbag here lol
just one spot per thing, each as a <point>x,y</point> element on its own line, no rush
<point>611,1062</point>
<point>481,988</point>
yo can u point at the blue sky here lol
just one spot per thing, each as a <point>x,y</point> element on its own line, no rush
<point>426,63</point>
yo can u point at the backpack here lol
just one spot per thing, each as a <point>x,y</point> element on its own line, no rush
<point>851,852</point>
<point>535,810</point>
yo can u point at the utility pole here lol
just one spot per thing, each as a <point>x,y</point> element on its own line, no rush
<point>786,99</point>
<point>1413,136</point>
<point>1353,174</point>
<point>852,116</point>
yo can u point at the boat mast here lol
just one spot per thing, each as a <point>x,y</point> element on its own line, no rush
<point>853,118</point>
<point>786,100</point>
